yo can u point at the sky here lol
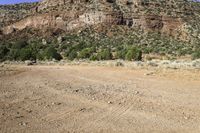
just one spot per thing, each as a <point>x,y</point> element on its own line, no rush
<point>15,1</point>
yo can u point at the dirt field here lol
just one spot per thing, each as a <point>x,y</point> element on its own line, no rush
<point>89,99</point>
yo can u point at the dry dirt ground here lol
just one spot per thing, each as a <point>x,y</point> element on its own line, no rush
<point>89,99</point>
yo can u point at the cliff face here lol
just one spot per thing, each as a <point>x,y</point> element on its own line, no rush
<point>74,14</point>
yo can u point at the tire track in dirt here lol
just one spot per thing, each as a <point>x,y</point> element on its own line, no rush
<point>116,113</point>
<point>127,111</point>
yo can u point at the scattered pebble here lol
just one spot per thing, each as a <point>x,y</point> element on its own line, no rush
<point>46,106</point>
<point>109,102</point>
<point>186,118</point>
<point>76,90</point>
<point>82,109</point>
<point>57,103</point>
<point>29,110</point>
<point>136,92</point>
<point>20,116</point>
<point>149,73</point>
<point>23,123</point>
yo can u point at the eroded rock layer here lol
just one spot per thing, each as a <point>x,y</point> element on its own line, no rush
<point>69,15</point>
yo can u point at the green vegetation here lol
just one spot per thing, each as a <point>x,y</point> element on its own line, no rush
<point>86,53</point>
<point>72,55</point>
<point>51,53</point>
<point>105,54</point>
<point>196,54</point>
<point>25,54</point>
<point>3,52</point>
<point>26,50</point>
<point>134,54</point>
<point>85,45</point>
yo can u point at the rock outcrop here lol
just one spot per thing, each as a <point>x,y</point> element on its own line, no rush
<point>72,14</point>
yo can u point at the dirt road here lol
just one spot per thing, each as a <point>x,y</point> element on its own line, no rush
<point>86,99</point>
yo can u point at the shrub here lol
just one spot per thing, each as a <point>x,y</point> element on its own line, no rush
<point>105,55</point>
<point>134,54</point>
<point>3,52</point>
<point>72,55</point>
<point>85,53</point>
<point>51,53</point>
<point>13,54</point>
<point>93,57</point>
<point>196,55</point>
<point>19,44</point>
<point>121,54</point>
<point>25,54</point>
<point>40,55</point>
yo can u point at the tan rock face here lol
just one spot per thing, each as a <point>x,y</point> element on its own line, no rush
<point>41,21</point>
<point>73,19</point>
<point>55,20</point>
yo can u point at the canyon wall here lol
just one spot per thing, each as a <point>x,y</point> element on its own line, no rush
<point>68,20</point>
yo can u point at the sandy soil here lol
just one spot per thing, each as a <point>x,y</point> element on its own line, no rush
<point>88,99</point>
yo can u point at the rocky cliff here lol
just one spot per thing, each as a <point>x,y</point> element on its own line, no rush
<point>166,17</point>
<point>100,29</point>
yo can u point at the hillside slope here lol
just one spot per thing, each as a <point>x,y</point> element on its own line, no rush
<point>11,13</point>
<point>155,23</point>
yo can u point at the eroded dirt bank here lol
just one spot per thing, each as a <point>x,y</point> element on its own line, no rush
<point>98,99</point>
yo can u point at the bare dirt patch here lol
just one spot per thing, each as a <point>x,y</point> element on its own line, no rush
<point>10,70</point>
<point>99,99</point>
